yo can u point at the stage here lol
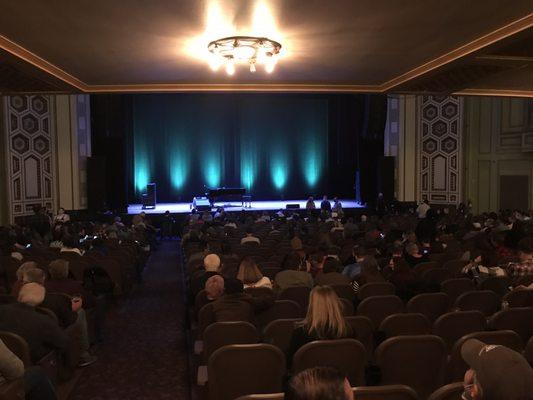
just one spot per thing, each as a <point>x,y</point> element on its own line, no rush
<point>184,208</point>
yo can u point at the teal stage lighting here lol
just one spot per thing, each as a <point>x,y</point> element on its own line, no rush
<point>312,159</point>
<point>249,163</point>
<point>279,168</point>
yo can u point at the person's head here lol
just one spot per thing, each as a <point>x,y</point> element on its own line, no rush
<point>370,266</point>
<point>212,263</point>
<point>292,261</point>
<point>325,198</point>
<point>319,383</point>
<point>411,249</point>
<point>25,267</point>
<point>359,253</point>
<point>58,269</point>
<point>70,241</point>
<point>324,315</point>
<point>249,230</point>
<point>310,198</point>
<point>331,264</point>
<point>31,294</point>
<point>214,287</point>
<point>249,272</point>
<point>61,211</point>
<point>296,244</point>
<point>525,249</point>
<point>496,372</point>
<point>364,218</point>
<point>35,275</point>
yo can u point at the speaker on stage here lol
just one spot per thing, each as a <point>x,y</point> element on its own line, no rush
<point>149,198</point>
<point>386,177</point>
<point>292,206</point>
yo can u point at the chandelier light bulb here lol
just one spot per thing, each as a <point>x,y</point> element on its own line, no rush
<point>270,65</point>
<point>214,63</point>
<point>252,67</point>
<point>230,67</point>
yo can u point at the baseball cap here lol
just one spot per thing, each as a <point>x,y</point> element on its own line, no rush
<point>502,373</point>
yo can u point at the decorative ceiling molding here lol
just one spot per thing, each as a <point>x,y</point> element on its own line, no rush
<point>462,51</point>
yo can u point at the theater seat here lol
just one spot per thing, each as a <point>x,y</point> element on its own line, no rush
<point>364,332</point>
<point>375,289</point>
<point>279,333</point>
<point>415,361</point>
<point>455,287</point>
<point>347,355</point>
<point>432,305</point>
<point>221,334</point>
<point>272,396</point>
<point>377,308</point>
<point>528,352</point>
<point>519,319</point>
<point>405,324</point>
<point>452,391</point>
<point>485,301</point>
<point>386,392</point>
<point>298,294</point>
<point>454,325</point>
<point>519,298</point>
<point>344,292</point>
<point>282,309</point>
<point>422,267</point>
<point>243,369</point>
<point>12,390</point>
<point>457,366</point>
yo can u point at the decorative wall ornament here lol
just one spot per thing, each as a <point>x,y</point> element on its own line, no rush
<point>439,149</point>
<point>30,153</point>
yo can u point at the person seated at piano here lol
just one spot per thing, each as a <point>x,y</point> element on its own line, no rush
<point>250,238</point>
<point>310,205</point>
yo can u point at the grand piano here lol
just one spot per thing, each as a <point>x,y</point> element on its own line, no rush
<point>225,194</point>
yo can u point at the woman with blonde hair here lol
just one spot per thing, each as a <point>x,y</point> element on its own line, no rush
<point>324,320</point>
<point>250,274</point>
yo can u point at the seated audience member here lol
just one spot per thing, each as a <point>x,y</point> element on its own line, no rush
<point>37,386</point>
<point>354,269</point>
<point>330,274</point>
<point>235,305</point>
<point>250,238</point>
<point>496,373</point>
<point>524,266</point>
<point>20,276</point>
<point>71,245</point>
<point>250,275</point>
<point>62,217</point>
<point>319,383</point>
<point>293,275</point>
<point>214,287</point>
<point>59,282</point>
<point>211,267</point>
<point>310,205</point>
<point>403,278</point>
<point>369,273</point>
<point>324,320</point>
<point>413,256</point>
<point>41,333</point>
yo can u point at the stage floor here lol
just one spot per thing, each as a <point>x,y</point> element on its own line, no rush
<point>182,208</point>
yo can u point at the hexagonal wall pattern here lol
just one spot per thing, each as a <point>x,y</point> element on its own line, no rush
<point>31,149</point>
<point>439,149</point>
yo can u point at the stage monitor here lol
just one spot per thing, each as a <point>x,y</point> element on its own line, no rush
<point>292,206</point>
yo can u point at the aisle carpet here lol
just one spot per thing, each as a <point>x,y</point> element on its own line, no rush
<point>144,355</point>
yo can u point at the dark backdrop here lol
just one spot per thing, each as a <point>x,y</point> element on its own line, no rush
<point>277,146</point>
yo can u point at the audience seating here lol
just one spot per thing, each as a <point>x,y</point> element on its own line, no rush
<point>259,291</point>
<point>348,355</point>
<point>347,307</point>
<point>17,345</point>
<point>454,325</point>
<point>242,369</point>
<point>434,277</point>
<point>205,318</point>
<point>422,267</point>
<point>432,305</point>
<point>455,267</point>
<point>279,333</point>
<point>221,334</point>
<point>377,308</point>
<point>272,396</point>
<point>282,309</point>
<point>498,284</point>
<point>375,289</point>
<point>457,366</point>
<point>452,391</point>
<point>405,324</point>
<point>363,331</point>
<point>455,287</point>
<point>519,319</point>
<point>528,352</point>
<point>485,301</point>
<point>344,292</point>
<point>519,298</point>
<point>298,294</point>
<point>415,361</point>
<point>386,392</point>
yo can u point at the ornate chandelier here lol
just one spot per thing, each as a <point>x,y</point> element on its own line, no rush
<point>244,49</point>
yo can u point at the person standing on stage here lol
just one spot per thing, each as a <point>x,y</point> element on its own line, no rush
<point>325,206</point>
<point>310,205</point>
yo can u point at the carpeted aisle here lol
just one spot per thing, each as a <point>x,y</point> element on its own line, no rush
<point>144,355</point>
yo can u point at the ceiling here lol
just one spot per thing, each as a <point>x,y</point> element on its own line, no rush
<point>416,46</point>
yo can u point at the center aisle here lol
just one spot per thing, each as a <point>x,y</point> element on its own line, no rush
<point>144,354</point>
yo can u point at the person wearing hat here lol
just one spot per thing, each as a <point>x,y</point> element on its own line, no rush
<point>496,373</point>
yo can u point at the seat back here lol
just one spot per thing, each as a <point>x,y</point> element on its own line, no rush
<point>18,346</point>
<point>452,391</point>
<point>347,307</point>
<point>363,331</point>
<point>518,319</point>
<point>415,361</point>
<point>455,287</point>
<point>259,291</point>
<point>457,366</point>
<point>271,396</point>
<point>12,390</point>
<point>375,289</point>
<point>386,392</point>
<point>498,284</point>
<point>432,305</point>
<point>528,352</point>
<point>405,324</point>
<point>454,325</point>
<point>279,333</point>
<point>485,301</point>
<point>454,267</point>
<point>519,298</point>
<point>298,294</point>
<point>206,317</point>
<point>221,334</point>
<point>344,292</point>
<point>200,300</point>
<point>242,369</point>
<point>377,308</point>
<point>282,309</point>
<point>435,276</point>
<point>347,355</point>
<point>49,313</point>
<point>422,267</point>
